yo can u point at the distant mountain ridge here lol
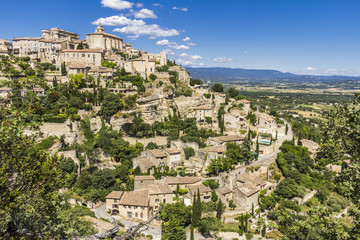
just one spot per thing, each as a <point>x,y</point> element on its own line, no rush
<point>238,74</point>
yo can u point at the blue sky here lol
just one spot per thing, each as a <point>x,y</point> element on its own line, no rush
<point>298,36</point>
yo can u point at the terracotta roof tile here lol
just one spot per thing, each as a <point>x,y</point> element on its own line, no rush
<point>136,198</point>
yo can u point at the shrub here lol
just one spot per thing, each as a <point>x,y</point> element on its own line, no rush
<point>189,152</point>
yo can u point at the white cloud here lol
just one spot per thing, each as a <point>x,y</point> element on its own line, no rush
<point>139,5</point>
<point>246,52</point>
<point>169,52</point>
<point>180,9</point>
<point>191,44</point>
<point>311,69</point>
<point>186,39</point>
<point>152,30</point>
<point>163,42</point>
<point>118,21</point>
<point>156,4</point>
<point>222,59</point>
<point>189,63</point>
<point>116,4</point>
<point>173,45</point>
<point>136,27</point>
<point>145,13</point>
<point>133,37</point>
<point>190,57</point>
<point>181,47</point>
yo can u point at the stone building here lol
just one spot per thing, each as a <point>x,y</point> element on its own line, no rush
<point>202,112</point>
<point>104,41</point>
<point>183,182</point>
<point>141,182</point>
<point>132,205</point>
<point>6,47</point>
<point>204,191</point>
<point>225,194</point>
<point>87,57</point>
<point>246,196</point>
<point>159,193</point>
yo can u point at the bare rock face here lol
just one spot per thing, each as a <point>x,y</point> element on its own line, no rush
<point>117,123</point>
<point>154,107</point>
<point>70,130</point>
<point>187,105</point>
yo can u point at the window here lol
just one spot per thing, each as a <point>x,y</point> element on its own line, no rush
<point>141,215</point>
<point>157,200</point>
<point>83,55</point>
<point>136,214</point>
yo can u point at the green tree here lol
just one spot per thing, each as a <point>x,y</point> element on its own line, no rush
<point>220,209</point>
<point>111,105</point>
<point>217,87</point>
<point>29,181</point>
<point>232,204</point>
<point>63,69</point>
<point>189,152</point>
<point>152,77</point>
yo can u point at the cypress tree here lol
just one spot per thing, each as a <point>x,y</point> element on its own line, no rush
<point>257,145</point>
<point>55,83</point>
<point>177,190</point>
<point>242,222</point>
<point>219,209</point>
<point>63,69</point>
<point>199,204</point>
<point>192,233</point>
<point>286,129</point>
<point>246,223</point>
<point>263,231</point>
<point>252,210</point>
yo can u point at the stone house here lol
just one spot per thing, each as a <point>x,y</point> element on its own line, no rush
<point>212,152</point>
<point>202,112</point>
<point>219,99</point>
<point>246,195</point>
<point>6,47</point>
<point>204,191</point>
<point>144,162</point>
<point>158,156</point>
<point>141,182</point>
<point>183,182</point>
<point>225,194</point>
<point>132,205</point>
<point>246,104</point>
<point>174,156</point>
<point>150,158</point>
<point>242,179</point>
<point>232,118</point>
<point>159,193</point>
<point>266,121</point>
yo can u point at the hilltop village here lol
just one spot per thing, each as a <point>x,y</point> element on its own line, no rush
<point>137,121</point>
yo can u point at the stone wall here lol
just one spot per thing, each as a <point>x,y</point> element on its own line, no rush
<point>161,141</point>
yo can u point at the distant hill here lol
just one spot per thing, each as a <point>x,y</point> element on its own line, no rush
<point>239,74</point>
